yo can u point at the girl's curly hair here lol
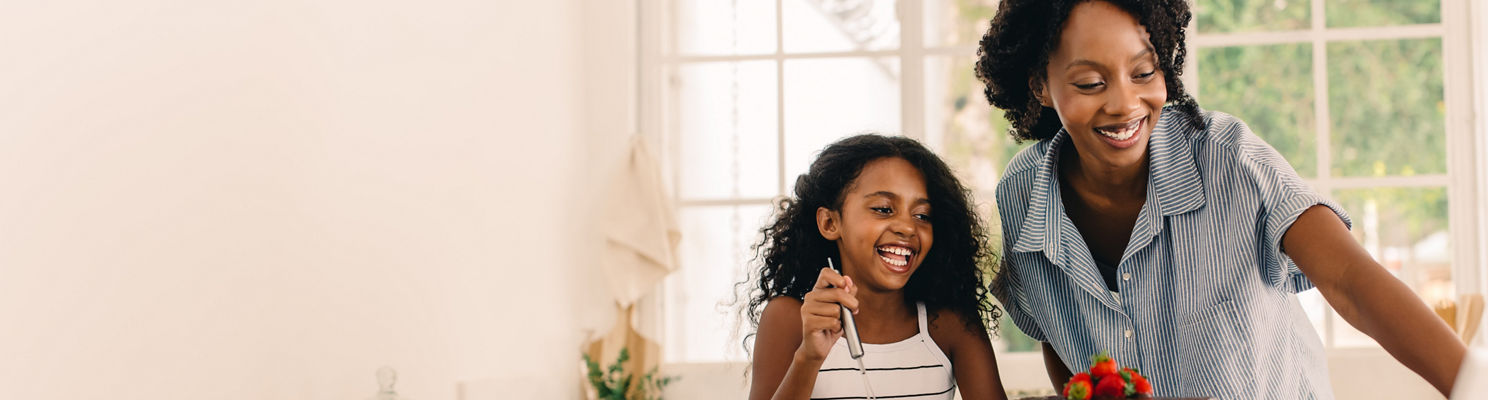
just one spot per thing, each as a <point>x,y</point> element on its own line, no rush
<point>1015,51</point>
<point>792,251</point>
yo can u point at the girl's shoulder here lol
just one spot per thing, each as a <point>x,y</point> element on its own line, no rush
<point>781,309</point>
<point>783,301</point>
<point>780,323</point>
<point>949,324</point>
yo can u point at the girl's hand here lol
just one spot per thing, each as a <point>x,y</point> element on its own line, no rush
<point>821,313</point>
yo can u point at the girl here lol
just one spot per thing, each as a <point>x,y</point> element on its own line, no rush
<point>1171,237</point>
<point>874,205</point>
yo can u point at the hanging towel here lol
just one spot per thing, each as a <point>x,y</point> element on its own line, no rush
<point>640,228</point>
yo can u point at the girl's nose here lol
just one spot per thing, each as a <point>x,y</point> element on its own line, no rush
<point>905,226</point>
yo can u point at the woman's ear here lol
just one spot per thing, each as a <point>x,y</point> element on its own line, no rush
<point>1040,91</point>
<point>827,224</point>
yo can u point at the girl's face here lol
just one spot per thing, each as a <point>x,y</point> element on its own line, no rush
<point>883,229</point>
<point>1104,82</point>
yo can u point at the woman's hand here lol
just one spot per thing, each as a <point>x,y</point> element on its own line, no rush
<point>821,313</point>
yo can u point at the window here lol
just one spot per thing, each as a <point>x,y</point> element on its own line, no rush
<point>1361,96</point>
<point>1357,95</point>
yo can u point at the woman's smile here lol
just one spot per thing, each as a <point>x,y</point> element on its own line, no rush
<point>1122,136</point>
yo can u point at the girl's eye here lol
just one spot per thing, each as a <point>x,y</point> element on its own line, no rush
<point>881,210</point>
<point>1149,74</point>
<point>923,217</point>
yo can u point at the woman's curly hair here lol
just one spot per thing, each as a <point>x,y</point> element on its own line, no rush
<point>792,251</point>
<point>1015,51</point>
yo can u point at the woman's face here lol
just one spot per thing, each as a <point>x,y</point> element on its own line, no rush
<point>1104,82</point>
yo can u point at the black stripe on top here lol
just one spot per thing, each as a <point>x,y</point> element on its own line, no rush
<point>884,369</point>
<point>897,396</point>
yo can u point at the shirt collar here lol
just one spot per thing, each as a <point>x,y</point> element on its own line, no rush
<point>1174,176</point>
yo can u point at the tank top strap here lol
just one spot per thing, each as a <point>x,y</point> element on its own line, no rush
<point>920,310</point>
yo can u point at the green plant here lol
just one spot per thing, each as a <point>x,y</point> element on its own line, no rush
<point>612,383</point>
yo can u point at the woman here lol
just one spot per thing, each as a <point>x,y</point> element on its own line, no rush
<point>1170,237</point>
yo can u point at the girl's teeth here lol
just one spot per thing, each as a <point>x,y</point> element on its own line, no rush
<point>894,262</point>
<point>895,250</point>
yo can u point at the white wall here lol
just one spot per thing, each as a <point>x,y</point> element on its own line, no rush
<point>270,199</point>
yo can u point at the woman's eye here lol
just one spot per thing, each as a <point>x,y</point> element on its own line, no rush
<point>1088,86</point>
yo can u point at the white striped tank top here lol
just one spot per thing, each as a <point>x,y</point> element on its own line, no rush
<point>912,368</point>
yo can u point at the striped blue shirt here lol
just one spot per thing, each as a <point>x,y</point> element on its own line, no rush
<point>1207,301</point>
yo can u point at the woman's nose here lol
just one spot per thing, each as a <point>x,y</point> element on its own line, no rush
<point>1122,99</point>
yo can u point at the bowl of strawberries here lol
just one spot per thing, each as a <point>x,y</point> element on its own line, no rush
<point>1107,380</point>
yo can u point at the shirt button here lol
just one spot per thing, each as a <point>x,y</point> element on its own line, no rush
<point>1126,276</point>
<point>1128,333</point>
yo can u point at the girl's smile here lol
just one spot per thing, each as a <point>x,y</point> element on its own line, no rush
<point>896,257</point>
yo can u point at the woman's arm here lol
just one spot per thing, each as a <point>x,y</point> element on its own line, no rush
<point>1371,299</point>
<point>1058,373</point>
<point>972,358</point>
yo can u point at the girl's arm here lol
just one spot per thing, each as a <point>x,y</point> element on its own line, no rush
<point>971,356</point>
<point>1058,373</point>
<point>1371,299</point>
<point>779,370</point>
<point>795,336</point>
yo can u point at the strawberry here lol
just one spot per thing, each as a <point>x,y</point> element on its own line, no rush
<point>1140,384</point>
<point>1077,390</point>
<point>1102,364</point>
<point>1083,376</point>
<point>1080,377</point>
<point>1081,384</point>
<point>1110,386</point>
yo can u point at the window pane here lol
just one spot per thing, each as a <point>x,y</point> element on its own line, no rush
<point>725,127</point>
<point>1216,16</point>
<point>1405,229</point>
<point>828,99</point>
<point>1385,99</point>
<point>1270,88</point>
<point>715,252</point>
<point>1008,338</point>
<point>964,129</point>
<point>1348,13</point>
<point>710,27</point>
<point>840,25</point>
<point>957,22</point>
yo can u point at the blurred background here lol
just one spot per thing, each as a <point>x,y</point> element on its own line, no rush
<point>273,199</point>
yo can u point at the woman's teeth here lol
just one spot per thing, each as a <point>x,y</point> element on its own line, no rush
<point>1122,133</point>
<point>900,261</point>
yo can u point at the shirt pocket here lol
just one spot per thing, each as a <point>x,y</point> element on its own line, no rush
<point>1214,354</point>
